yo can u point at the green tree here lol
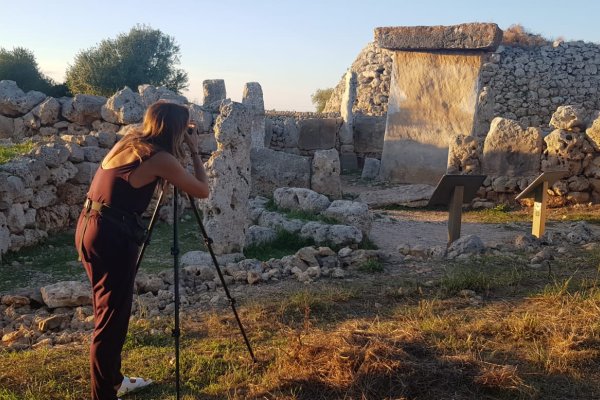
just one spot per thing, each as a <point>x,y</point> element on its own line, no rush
<point>144,55</point>
<point>320,97</point>
<point>20,65</point>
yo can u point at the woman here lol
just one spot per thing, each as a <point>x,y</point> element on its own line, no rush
<point>123,187</point>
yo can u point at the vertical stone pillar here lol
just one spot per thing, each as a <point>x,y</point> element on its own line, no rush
<point>226,209</point>
<point>433,95</point>
<point>253,100</point>
<point>214,91</point>
<point>347,155</point>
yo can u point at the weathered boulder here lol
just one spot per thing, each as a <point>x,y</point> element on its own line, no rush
<point>326,170</point>
<point>44,196</point>
<point>124,107</point>
<point>273,169</point>
<point>151,94</point>
<point>318,133</point>
<point>569,118</point>
<point>214,91</point>
<point>463,155</point>
<point>338,235</point>
<point>47,111</point>
<point>52,154</point>
<point>33,173</point>
<point>300,199</point>
<point>473,36</point>
<point>275,220</point>
<point>511,150</point>
<point>83,108</point>
<point>368,133</point>
<point>592,133</point>
<point>350,213</point>
<point>67,294</point>
<point>14,102</point>
<point>202,118</point>
<point>85,172</point>
<point>7,127</point>
<point>228,170</point>
<point>465,245</point>
<point>370,168</point>
<point>253,99</point>
<point>564,150</point>
<point>256,235</point>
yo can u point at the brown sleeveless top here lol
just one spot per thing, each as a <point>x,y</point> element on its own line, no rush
<point>111,186</point>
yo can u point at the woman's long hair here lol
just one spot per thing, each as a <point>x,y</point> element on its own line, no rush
<point>163,129</point>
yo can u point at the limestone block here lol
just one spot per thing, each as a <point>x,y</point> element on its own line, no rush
<point>14,102</point>
<point>12,189</point>
<point>569,118</point>
<point>318,133</point>
<point>85,172</point>
<point>578,184</point>
<point>201,117</point>
<point>124,107</point>
<point>7,127</point>
<point>350,213</point>
<point>67,294</point>
<point>21,130</point>
<point>53,218</point>
<point>300,199</point>
<point>464,155</point>
<point>371,168</point>
<point>291,133</point>
<point>325,176</point>
<point>578,197</point>
<point>225,210</point>
<point>52,154</point>
<point>510,150</point>
<point>76,154</point>
<point>214,91</point>
<point>71,194</point>
<point>338,235</point>
<point>465,245</point>
<point>106,139</point>
<point>30,215</point>
<point>33,173</point>
<point>81,132</point>
<point>15,219</point>
<point>253,99</point>
<point>256,235</point>
<point>151,94</point>
<point>272,169</point>
<point>94,154</point>
<point>4,236</point>
<point>103,126</point>
<point>473,36</point>
<point>83,108</point>
<point>48,131</point>
<point>47,111</point>
<point>368,133</point>
<point>275,220</point>
<point>44,196</point>
<point>592,133</point>
<point>563,151</point>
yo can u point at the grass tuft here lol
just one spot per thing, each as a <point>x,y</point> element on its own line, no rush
<point>10,152</point>
<point>285,243</point>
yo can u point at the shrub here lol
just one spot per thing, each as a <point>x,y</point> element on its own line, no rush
<point>517,35</point>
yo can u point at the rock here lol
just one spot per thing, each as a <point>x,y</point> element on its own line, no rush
<point>7,127</point>
<point>67,294</point>
<point>253,277</point>
<point>579,233</point>
<point>592,133</point>
<point>15,300</point>
<point>300,199</point>
<point>350,213</point>
<point>256,235</point>
<point>510,150</point>
<point>226,208</point>
<point>14,102</point>
<point>273,169</point>
<point>94,154</point>
<point>47,111</point>
<point>473,36</point>
<point>277,221</point>
<point>202,118</point>
<point>44,196</point>
<point>33,173</point>
<point>83,108</point>
<point>316,133</point>
<point>464,154</point>
<point>409,195</point>
<point>53,154</point>
<point>124,107</point>
<point>53,322</point>
<point>85,172</point>
<point>214,91</point>
<point>326,170</point>
<point>204,258</point>
<point>338,235</point>
<point>563,152</point>
<point>469,245</point>
<point>253,100</point>
<point>370,168</point>
<point>309,256</point>
<point>569,118</point>
<point>151,94</point>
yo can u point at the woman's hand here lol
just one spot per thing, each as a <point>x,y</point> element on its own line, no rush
<point>191,139</point>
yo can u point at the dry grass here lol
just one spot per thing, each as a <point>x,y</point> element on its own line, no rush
<point>517,35</point>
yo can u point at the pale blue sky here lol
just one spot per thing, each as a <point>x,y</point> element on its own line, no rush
<point>290,47</point>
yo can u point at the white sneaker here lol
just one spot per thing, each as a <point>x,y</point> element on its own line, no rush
<point>130,385</point>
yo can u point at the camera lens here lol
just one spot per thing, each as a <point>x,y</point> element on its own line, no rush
<point>191,128</point>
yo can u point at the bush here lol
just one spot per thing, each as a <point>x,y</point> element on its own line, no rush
<point>517,35</point>
<point>142,56</point>
<point>320,97</point>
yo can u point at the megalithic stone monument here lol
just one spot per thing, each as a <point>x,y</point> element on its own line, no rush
<point>433,95</point>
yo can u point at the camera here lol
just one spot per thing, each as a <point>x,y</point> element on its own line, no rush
<point>192,128</point>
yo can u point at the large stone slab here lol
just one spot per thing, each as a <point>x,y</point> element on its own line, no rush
<point>473,36</point>
<point>273,169</point>
<point>407,195</point>
<point>318,133</point>
<point>511,150</point>
<point>369,132</point>
<point>432,98</point>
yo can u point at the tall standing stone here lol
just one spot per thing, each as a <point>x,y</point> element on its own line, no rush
<point>228,169</point>
<point>433,95</point>
<point>325,177</point>
<point>214,91</point>
<point>253,100</point>
<point>348,156</point>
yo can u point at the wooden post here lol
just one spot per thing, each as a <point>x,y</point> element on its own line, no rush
<point>539,210</point>
<point>455,213</point>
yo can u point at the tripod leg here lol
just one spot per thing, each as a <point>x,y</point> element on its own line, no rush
<point>175,253</point>
<point>208,242</point>
<point>150,227</point>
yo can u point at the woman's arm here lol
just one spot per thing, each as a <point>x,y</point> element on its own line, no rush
<point>165,166</point>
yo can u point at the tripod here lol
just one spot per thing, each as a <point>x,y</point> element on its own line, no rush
<point>176,333</point>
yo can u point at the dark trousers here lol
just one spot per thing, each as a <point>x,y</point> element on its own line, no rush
<point>109,260</point>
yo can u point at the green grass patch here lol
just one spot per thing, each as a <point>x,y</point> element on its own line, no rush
<point>500,214</point>
<point>285,243</point>
<point>10,152</point>
<point>371,266</point>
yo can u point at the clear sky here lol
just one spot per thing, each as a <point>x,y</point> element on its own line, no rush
<point>290,47</point>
